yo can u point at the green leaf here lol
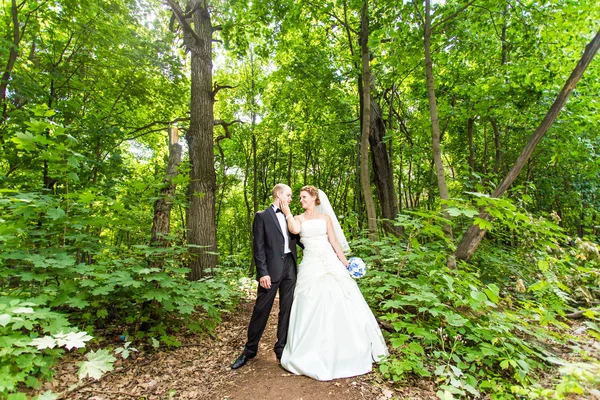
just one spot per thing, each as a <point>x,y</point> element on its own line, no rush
<point>97,364</point>
<point>5,319</point>
<point>469,212</point>
<point>384,368</point>
<point>479,296</point>
<point>453,212</point>
<point>159,295</point>
<point>55,213</point>
<point>492,291</point>
<point>25,141</point>
<point>456,319</point>
<point>17,396</point>
<point>483,224</point>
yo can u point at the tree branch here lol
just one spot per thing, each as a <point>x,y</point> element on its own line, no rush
<point>183,21</point>
<point>418,12</point>
<point>454,14</point>
<point>190,13</point>
<point>227,134</point>
<point>225,126</point>
<point>218,87</point>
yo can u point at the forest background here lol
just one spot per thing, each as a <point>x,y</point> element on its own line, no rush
<point>470,185</point>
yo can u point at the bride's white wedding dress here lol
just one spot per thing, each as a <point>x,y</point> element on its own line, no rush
<point>332,332</point>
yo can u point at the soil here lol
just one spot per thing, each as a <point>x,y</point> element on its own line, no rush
<point>202,370</point>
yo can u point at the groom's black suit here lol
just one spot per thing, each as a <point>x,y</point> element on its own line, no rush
<point>271,259</point>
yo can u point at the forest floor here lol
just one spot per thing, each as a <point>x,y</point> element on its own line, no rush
<point>201,369</point>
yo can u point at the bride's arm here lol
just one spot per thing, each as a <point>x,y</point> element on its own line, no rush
<point>334,242</point>
<point>293,224</point>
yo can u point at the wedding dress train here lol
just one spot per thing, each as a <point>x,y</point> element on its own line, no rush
<point>332,331</point>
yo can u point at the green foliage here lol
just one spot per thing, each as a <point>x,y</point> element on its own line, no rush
<point>472,328</point>
<point>26,357</point>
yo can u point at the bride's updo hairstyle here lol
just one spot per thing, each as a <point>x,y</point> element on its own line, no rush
<point>313,191</point>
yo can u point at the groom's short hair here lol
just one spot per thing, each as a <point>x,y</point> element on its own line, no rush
<point>279,188</point>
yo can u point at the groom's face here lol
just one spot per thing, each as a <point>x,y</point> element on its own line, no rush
<point>286,196</point>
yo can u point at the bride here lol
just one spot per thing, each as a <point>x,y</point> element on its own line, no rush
<point>332,332</point>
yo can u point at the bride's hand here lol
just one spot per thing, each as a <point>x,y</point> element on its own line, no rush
<point>283,206</point>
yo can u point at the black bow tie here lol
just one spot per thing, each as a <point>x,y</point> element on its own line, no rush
<point>278,211</point>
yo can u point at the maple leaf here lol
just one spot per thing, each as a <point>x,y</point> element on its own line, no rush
<point>97,364</point>
<point>72,339</point>
<point>46,342</point>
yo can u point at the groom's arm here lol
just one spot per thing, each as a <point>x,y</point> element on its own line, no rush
<point>260,256</point>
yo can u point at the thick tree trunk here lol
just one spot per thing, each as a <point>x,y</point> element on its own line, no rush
<point>474,234</point>
<point>161,225</point>
<point>201,212</point>
<point>366,125</point>
<point>383,174</point>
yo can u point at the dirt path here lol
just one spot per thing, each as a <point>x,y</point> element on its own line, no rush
<point>203,371</point>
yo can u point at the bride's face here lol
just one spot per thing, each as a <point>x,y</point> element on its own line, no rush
<point>306,200</point>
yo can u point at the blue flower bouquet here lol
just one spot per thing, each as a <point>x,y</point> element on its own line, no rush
<point>356,267</point>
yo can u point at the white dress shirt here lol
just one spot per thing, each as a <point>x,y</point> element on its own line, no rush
<point>284,229</point>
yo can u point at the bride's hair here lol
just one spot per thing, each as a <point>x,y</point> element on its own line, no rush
<point>313,191</point>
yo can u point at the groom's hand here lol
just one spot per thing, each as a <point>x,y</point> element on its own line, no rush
<point>265,282</point>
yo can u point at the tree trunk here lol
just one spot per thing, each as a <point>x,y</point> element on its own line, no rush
<point>383,174</point>
<point>474,234</point>
<point>435,125</point>
<point>470,124</point>
<point>289,169</point>
<point>161,225</point>
<point>497,144</point>
<point>201,223</point>
<point>366,124</point>
<point>358,204</point>
<point>12,57</point>
<point>254,168</point>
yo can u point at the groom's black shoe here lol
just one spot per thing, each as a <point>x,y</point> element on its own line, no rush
<point>241,361</point>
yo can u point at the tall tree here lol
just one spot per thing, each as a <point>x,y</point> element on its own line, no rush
<point>201,223</point>
<point>365,178</point>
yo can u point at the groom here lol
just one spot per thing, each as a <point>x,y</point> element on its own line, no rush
<point>275,256</point>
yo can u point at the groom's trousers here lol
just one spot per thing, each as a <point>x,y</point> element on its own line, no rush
<point>263,305</point>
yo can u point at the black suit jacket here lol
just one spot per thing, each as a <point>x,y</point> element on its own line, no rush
<point>269,245</point>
